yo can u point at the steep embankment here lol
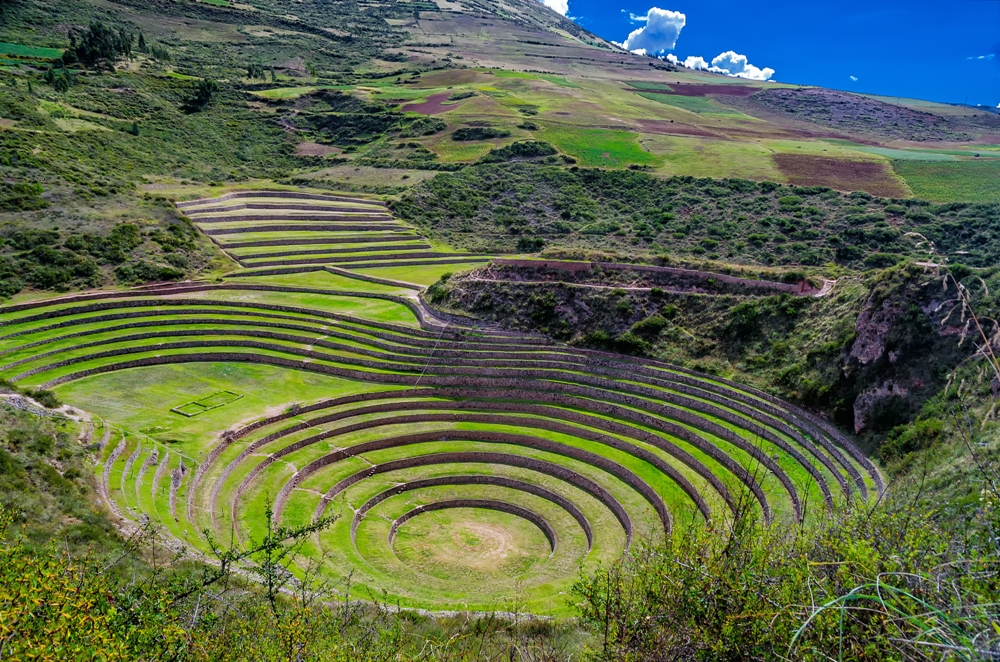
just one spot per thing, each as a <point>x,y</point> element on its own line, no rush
<point>870,351</point>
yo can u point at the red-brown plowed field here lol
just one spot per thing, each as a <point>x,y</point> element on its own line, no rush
<point>687,90</point>
<point>875,177</point>
<point>433,106</point>
<point>675,129</point>
<point>722,90</point>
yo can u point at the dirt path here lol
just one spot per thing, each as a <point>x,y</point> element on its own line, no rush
<point>828,286</point>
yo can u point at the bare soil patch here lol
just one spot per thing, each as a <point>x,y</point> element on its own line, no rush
<point>694,90</point>
<point>315,149</point>
<point>489,544</point>
<point>675,129</point>
<point>874,177</point>
<point>453,77</point>
<point>433,106</point>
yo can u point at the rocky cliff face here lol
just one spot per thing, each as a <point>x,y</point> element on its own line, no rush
<point>905,346</point>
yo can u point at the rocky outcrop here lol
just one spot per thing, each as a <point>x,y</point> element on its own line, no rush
<point>869,399</point>
<point>873,327</point>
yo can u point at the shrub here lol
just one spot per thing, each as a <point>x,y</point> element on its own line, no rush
<point>906,439</point>
<point>629,343</point>
<point>882,260</point>
<point>601,228</point>
<point>523,150</point>
<point>649,327</point>
<point>47,399</point>
<point>849,253</point>
<point>438,292</point>
<point>530,244</point>
<point>872,583</point>
<point>21,196</point>
<point>744,319</point>
<point>479,133</point>
<point>144,272</point>
<point>790,202</point>
<point>423,126</point>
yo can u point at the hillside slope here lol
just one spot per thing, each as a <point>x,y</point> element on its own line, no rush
<point>450,304</point>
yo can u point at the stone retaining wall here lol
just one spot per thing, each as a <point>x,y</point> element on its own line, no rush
<point>385,259</point>
<point>288,207</point>
<point>316,240</point>
<point>505,459</point>
<point>496,481</point>
<point>592,459</point>
<point>577,267</point>
<point>486,504</point>
<point>336,251</point>
<point>287,227</point>
<point>376,221</point>
<point>291,195</point>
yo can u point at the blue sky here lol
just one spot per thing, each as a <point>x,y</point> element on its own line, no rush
<point>943,51</point>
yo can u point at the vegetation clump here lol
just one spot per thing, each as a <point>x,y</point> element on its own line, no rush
<point>524,150</point>
<point>471,133</point>
<point>98,45</point>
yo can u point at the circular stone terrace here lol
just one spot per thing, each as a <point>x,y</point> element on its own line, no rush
<point>467,467</point>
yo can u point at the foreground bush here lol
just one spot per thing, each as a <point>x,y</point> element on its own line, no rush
<point>883,583</point>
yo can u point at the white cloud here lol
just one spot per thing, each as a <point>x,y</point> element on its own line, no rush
<point>660,33</point>
<point>672,58</point>
<point>558,6</point>
<point>636,19</point>
<point>693,62</point>
<point>854,79</point>
<point>733,64</point>
<point>639,51</point>
<point>729,63</point>
<point>990,56</point>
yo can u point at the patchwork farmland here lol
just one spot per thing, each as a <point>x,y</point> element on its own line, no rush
<point>465,465</point>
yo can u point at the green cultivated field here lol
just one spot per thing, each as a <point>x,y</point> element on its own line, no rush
<point>598,147</point>
<point>962,181</point>
<point>19,50</point>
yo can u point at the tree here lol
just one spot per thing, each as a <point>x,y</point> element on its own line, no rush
<point>159,53</point>
<point>62,82</point>
<point>256,71</point>
<point>142,43</point>
<point>99,45</point>
<point>203,95</point>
